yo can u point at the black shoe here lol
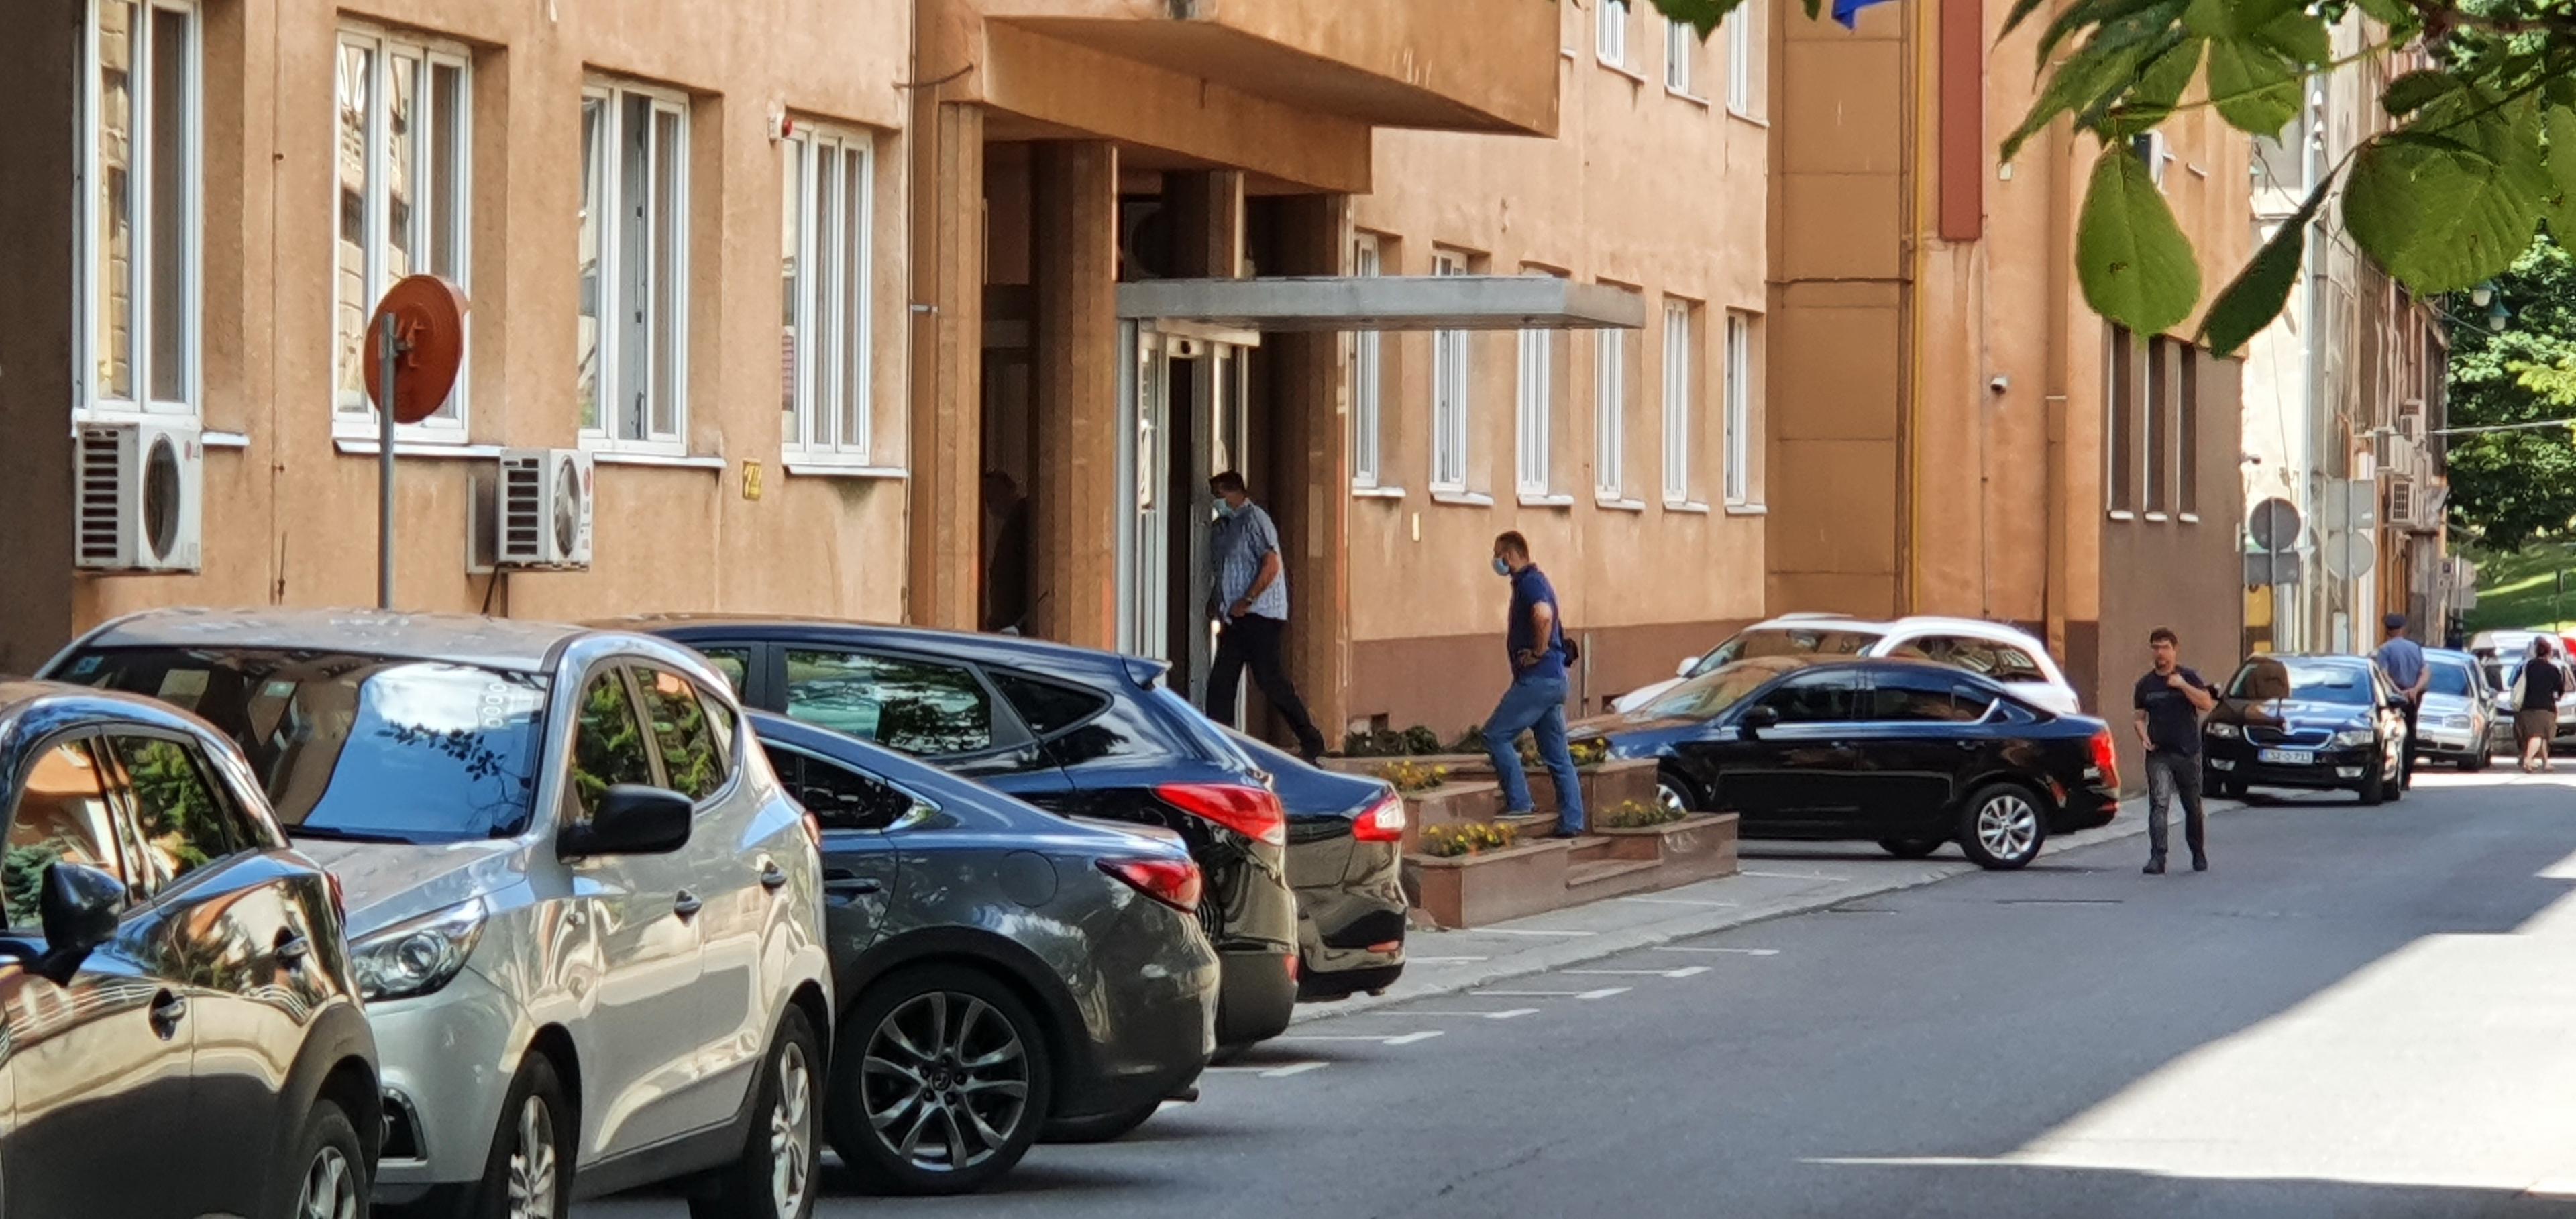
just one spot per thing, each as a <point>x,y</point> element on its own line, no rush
<point>2155,867</point>
<point>2200,863</point>
<point>1562,832</point>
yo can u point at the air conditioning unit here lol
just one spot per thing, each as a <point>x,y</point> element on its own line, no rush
<point>2405,502</point>
<point>542,509</point>
<point>141,485</point>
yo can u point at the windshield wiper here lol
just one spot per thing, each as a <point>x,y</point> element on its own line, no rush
<point>330,833</point>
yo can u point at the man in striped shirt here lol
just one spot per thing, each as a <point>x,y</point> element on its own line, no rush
<point>1250,604</point>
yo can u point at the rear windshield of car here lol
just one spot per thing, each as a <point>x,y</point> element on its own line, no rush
<point>1786,641</point>
<point>2452,679</point>
<point>1210,741</point>
<point>2315,681</point>
<point>365,748</point>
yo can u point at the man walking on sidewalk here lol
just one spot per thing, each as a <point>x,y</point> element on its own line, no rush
<point>2170,701</point>
<point>1535,703</point>
<point>1250,604</point>
<point>2402,659</point>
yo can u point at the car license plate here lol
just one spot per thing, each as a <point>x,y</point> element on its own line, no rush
<point>2286,757</point>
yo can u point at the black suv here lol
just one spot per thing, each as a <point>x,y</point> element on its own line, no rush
<point>1073,731</point>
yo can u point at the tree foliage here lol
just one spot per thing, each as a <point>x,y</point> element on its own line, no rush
<point>2509,488</point>
<point>2483,150</point>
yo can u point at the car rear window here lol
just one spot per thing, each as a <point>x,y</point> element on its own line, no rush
<point>1046,707</point>
<point>1206,739</point>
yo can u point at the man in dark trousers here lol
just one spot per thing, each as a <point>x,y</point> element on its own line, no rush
<point>1250,603</point>
<point>1535,703</point>
<point>2170,701</point>
<point>2402,659</point>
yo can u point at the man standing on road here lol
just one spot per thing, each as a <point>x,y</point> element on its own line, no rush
<point>2536,691</point>
<point>1250,604</point>
<point>2170,701</point>
<point>1535,634</point>
<point>2402,659</point>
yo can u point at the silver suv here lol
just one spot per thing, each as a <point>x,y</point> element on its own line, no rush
<point>586,920</point>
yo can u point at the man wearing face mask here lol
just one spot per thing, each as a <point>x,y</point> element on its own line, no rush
<point>1535,703</point>
<point>1250,604</point>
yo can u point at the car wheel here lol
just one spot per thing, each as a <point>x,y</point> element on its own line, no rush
<point>1678,794</point>
<point>943,1082</point>
<point>773,1178</point>
<point>2476,761</point>
<point>1912,848</point>
<point>1106,1128</point>
<point>2374,787</point>
<point>529,1173</point>
<point>332,1183</point>
<point>2001,827</point>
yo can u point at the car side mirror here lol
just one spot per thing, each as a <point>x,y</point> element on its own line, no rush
<point>1757,719</point>
<point>1688,663</point>
<point>79,905</point>
<point>633,819</point>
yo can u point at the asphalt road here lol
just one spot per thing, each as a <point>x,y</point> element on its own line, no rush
<point>2357,1012</point>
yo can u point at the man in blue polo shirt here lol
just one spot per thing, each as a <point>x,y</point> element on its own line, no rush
<point>1535,635</point>
<point>2403,660</point>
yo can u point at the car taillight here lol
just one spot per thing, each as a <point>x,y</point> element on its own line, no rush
<point>2106,758</point>
<point>1384,822</point>
<point>1173,882</point>
<point>1250,811</point>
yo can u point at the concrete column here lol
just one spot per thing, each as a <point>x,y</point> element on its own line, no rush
<point>1205,211</point>
<point>947,515</point>
<point>37,323</point>
<point>1073,519</point>
<point>1304,453</point>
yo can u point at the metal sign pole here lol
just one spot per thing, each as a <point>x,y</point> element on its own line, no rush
<point>385,473</point>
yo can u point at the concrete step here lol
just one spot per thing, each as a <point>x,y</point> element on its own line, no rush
<point>1600,878</point>
<point>1593,847</point>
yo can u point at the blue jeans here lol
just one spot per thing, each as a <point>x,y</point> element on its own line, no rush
<point>1535,705</point>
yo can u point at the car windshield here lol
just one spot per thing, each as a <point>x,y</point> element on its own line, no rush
<point>2452,679</point>
<point>1785,641</point>
<point>1708,695</point>
<point>364,748</point>
<point>2308,680</point>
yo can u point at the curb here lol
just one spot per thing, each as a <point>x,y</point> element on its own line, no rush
<point>1551,958</point>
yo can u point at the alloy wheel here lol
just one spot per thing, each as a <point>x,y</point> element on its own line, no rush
<point>945,1081</point>
<point>532,1162</point>
<point>1671,798</point>
<point>2007,826</point>
<point>330,1187</point>
<point>791,1132</point>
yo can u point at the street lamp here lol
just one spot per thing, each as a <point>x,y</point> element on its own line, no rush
<point>2497,315</point>
<point>2480,295</point>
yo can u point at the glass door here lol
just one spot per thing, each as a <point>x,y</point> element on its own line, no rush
<point>1144,477</point>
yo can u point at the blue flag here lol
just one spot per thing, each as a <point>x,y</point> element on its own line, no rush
<point>1848,11</point>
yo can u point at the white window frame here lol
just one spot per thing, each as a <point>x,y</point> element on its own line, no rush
<point>353,416</point>
<point>1679,416</point>
<point>1368,375</point>
<point>1681,46</point>
<point>1535,415</point>
<point>90,400</point>
<point>821,424</point>
<point>1610,32</point>
<point>1739,409</point>
<point>612,94</point>
<point>1743,29</point>
<point>1452,391</point>
<point>1610,412</point>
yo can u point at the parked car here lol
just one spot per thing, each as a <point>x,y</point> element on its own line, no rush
<point>2458,720</point>
<point>2012,658</point>
<point>1070,730</point>
<point>1000,970</point>
<point>183,1033</point>
<point>2504,669</point>
<point>586,920</point>
<point>2312,722</point>
<point>1346,862</point>
<point>1907,753</point>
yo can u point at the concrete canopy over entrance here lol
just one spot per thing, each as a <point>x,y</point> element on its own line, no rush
<point>1327,303</point>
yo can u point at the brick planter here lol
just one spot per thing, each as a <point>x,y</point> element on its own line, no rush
<point>1458,763</point>
<point>1490,887</point>
<point>1612,784</point>
<point>1701,846</point>
<point>1449,804</point>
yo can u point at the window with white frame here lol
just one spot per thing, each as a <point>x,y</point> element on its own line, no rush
<point>1612,36</point>
<point>632,329</point>
<point>1680,414</point>
<point>1610,412</point>
<point>1536,416</point>
<point>140,305</point>
<point>1450,375</point>
<point>827,194</point>
<point>1681,49</point>
<point>1368,372</point>
<point>401,172</point>
<point>1739,408</point>
<point>1744,62</point>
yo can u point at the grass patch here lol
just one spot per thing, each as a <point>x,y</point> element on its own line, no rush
<point>2519,591</point>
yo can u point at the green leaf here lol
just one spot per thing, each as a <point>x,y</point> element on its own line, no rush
<point>2299,36</point>
<point>2441,218</point>
<point>2077,84</point>
<point>2113,19</point>
<point>2254,89</point>
<point>2135,264</point>
<point>1700,15</point>
<point>2558,202</point>
<point>2250,301</point>
<point>2395,14</point>
<point>2416,90</point>
<point>2234,18</point>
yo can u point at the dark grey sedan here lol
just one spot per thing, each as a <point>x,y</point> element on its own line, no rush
<point>1003,972</point>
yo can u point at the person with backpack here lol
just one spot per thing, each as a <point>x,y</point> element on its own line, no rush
<point>1535,703</point>
<point>2536,691</point>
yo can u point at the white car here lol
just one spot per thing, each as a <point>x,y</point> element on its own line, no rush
<point>586,920</point>
<point>2008,656</point>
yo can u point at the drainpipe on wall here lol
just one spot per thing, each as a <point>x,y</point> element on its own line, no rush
<point>2061,513</point>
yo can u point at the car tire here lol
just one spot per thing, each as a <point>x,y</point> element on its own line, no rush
<point>532,1151</point>
<point>782,1154</point>
<point>887,1093</point>
<point>331,1179</point>
<point>2002,826</point>
<point>1672,791</point>
<point>1106,1128</point>
<point>2475,762</point>
<point>2374,787</point>
<point>1912,848</point>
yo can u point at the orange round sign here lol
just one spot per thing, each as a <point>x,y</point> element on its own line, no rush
<point>427,316</point>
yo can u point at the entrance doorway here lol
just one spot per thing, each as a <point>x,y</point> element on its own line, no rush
<point>1181,420</point>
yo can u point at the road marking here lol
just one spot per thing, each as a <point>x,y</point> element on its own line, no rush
<point>1742,952</point>
<point>1678,901</point>
<point>1446,960</point>
<point>1603,993</point>
<point>1527,931</point>
<point>1796,876</point>
<point>1398,1039</point>
<point>1513,1014</point>
<point>1278,1072</point>
<point>1685,971</point>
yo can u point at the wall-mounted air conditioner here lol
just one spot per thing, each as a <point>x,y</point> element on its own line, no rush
<point>139,487</point>
<point>542,509</point>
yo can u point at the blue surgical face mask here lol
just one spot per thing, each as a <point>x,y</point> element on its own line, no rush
<point>1225,510</point>
<point>1502,568</point>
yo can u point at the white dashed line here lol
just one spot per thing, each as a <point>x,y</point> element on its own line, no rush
<point>1513,1014</point>
<point>1797,876</point>
<point>1294,1068</point>
<point>1685,971</point>
<point>1742,952</point>
<point>1603,993</point>
<point>1528,931</point>
<point>1446,960</point>
<point>1677,901</point>
<point>1398,1039</point>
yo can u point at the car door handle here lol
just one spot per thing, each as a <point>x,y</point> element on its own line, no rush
<point>686,904</point>
<point>852,883</point>
<point>773,877</point>
<point>167,1011</point>
<point>292,949</point>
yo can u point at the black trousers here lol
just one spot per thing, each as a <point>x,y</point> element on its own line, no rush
<point>2406,774</point>
<point>1255,641</point>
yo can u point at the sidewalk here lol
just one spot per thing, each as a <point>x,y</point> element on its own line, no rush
<point>1446,962</point>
